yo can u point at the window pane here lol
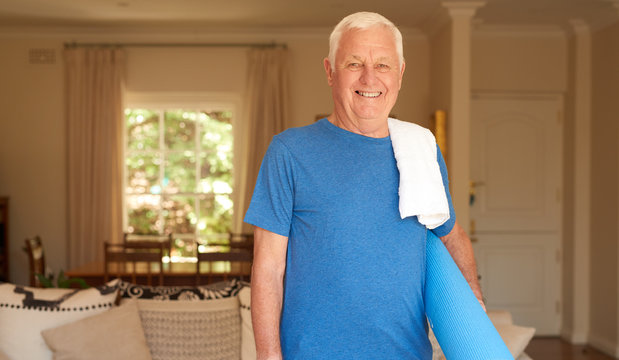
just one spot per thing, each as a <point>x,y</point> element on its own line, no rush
<point>143,173</point>
<point>216,129</point>
<point>215,174</point>
<point>180,173</point>
<point>143,213</point>
<point>183,247</point>
<point>179,214</point>
<point>216,161</point>
<point>180,130</point>
<point>215,216</point>
<point>142,129</point>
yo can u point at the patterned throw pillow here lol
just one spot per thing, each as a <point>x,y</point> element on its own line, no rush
<point>192,330</point>
<point>26,311</point>
<point>218,290</point>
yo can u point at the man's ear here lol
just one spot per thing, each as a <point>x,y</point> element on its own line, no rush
<point>402,74</point>
<point>328,70</point>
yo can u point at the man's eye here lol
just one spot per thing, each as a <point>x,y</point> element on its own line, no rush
<point>383,67</point>
<point>354,65</point>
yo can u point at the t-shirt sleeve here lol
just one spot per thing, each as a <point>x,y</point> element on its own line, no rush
<point>449,224</point>
<point>272,202</point>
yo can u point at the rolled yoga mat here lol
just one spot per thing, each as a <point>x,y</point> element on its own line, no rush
<point>460,324</point>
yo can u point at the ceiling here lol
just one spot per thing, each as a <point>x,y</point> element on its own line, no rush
<point>289,13</point>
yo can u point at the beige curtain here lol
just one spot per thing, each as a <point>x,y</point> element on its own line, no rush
<point>94,83</point>
<point>266,114</point>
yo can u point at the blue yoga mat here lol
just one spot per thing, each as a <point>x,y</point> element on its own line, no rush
<point>460,324</point>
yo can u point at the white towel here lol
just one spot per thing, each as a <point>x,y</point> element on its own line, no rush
<point>422,193</point>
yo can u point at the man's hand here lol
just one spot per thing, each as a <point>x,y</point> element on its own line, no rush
<point>267,289</point>
<point>459,246</point>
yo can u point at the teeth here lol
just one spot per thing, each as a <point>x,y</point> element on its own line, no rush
<point>369,94</point>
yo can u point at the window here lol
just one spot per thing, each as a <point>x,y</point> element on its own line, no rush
<point>178,171</point>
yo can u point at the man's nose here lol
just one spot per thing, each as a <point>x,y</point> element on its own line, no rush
<point>368,75</point>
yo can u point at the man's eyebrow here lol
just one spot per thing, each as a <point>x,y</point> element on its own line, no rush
<point>384,59</point>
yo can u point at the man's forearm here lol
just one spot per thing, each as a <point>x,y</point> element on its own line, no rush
<point>266,306</point>
<point>459,246</point>
<point>267,290</point>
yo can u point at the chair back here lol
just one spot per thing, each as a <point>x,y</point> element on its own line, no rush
<point>36,259</point>
<point>135,260</point>
<point>232,261</point>
<point>242,241</point>
<point>137,241</point>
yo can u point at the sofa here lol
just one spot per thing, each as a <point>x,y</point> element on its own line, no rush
<point>121,320</point>
<point>126,321</point>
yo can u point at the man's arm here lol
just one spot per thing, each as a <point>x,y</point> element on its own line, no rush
<point>459,246</point>
<point>267,289</point>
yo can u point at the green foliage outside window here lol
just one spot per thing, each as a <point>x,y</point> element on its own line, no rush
<point>179,175</point>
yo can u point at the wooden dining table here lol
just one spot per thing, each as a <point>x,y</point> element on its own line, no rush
<point>174,274</point>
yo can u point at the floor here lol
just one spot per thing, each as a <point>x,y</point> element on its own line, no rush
<point>552,348</point>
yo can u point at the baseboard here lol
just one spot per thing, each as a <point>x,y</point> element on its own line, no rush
<point>606,346</point>
<point>573,337</point>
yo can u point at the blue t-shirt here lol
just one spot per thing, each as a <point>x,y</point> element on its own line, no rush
<point>355,271</point>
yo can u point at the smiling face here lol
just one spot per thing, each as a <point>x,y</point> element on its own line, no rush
<point>365,79</point>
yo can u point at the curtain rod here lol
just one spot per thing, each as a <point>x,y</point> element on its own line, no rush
<point>74,44</point>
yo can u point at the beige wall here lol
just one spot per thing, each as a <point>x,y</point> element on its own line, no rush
<point>605,177</point>
<point>507,60</point>
<point>32,147</point>
<point>440,70</point>
<point>32,130</point>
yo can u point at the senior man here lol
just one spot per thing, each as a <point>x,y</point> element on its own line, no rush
<point>337,273</point>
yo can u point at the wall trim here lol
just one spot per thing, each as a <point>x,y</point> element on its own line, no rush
<point>581,289</point>
<point>180,33</point>
<point>606,346</point>
<point>574,338</point>
<point>545,31</point>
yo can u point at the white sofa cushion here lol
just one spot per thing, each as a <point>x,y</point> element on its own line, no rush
<point>114,334</point>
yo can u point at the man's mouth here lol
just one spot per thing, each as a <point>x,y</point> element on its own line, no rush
<point>369,94</point>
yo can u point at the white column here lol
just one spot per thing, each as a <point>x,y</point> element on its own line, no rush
<point>582,182</point>
<point>459,116</point>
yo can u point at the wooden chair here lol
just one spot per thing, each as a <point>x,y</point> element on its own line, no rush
<point>242,241</point>
<point>137,241</point>
<point>234,255</point>
<point>135,259</point>
<point>36,259</point>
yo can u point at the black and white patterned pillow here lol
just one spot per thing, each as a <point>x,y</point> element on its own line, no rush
<point>26,311</point>
<point>218,290</point>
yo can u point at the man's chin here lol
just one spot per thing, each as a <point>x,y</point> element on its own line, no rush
<point>368,117</point>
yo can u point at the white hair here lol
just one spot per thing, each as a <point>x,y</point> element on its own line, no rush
<point>363,20</point>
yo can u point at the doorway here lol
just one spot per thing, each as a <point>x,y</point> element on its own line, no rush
<point>516,172</point>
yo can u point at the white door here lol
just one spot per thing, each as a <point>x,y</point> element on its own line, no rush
<point>516,168</point>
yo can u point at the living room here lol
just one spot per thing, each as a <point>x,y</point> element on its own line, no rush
<point>567,51</point>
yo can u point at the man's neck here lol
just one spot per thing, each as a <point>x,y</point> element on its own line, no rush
<point>371,128</point>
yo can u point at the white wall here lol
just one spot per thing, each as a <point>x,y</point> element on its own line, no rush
<point>32,130</point>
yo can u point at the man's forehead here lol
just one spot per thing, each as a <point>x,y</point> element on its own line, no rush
<point>353,43</point>
<point>374,37</point>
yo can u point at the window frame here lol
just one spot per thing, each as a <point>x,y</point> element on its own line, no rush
<point>190,101</point>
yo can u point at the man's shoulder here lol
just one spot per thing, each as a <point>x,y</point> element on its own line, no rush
<point>297,136</point>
